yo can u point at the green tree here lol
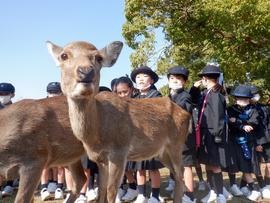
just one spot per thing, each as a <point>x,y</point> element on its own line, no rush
<point>235,33</point>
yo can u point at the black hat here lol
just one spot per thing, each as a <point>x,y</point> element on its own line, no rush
<point>242,91</point>
<point>178,70</point>
<point>210,70</point>
<point>145,70</point>
<point>7,88</point>
<point>254,89</point>
<point>54,87</point>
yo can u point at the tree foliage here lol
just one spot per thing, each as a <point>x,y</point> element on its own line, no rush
<point>235,33</point>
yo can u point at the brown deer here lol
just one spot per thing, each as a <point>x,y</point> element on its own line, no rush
<point>114,130</point>
<point>35,134</point>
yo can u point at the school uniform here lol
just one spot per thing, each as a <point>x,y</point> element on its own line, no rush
<point>263,135</point>
<point>183,99</point>
<point>247,162</point>
<point>154,163</point>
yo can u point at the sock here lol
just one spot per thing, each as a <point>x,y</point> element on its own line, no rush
<point>142,189</point>
<point>243,183</point>
<point>43,186</point>
<point>260,181</point>
<point>209,178</point>
<point>199,172</point>
<point>218,182</point>
<point>132,186</point>
<point>190,195</point>
<point>155,193</point>
<point>60,185</point>
<point>267,180</point>
<point>232,178</point>
<point>82,193</point>
<point>251,186</point>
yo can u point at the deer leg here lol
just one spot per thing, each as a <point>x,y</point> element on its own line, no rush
<point>116,173</point>
<point>79,179</point>
<point>29,179</point>
<point>102,183</point>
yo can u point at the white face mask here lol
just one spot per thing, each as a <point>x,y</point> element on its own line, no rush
<point>256,97</point>
<point>175,86</point>
<point>5,99</point>
<point>143,86</point>
<point>242,102</point>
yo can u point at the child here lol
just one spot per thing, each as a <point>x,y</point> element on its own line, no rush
<point>263,142</point>
<point>211,130</point>
<point>243,123</point>
<point>7,92</point>
<point>124,88</point>
<point>55,185</point>
<point>177,77</point>
<point>145,79</point>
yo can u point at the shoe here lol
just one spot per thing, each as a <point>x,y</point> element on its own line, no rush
<point>221,199</point>
<point>235,190</point>
<point>130,195</point>
<point>52,186</point>
<point>141,199</point>
<point>170,186</point>
<point>119,195</point>
<point>265,193</point>
<point>202,186</point>
<point>254,195</point>
<point>226,194</point>
<point>81,199</point>
<point>210,197</point>
<point>67,197</point>
<point>153,200</point>
<point>8,191</point>
<point>58,194</point>
<point>44,194</point>
<point>186,199</point>
<point>91,195</point>
<point>245,191</point>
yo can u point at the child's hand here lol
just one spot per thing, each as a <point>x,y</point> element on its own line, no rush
<point>247,128</point>
<point>198,83</point>
<point>259,148</point>
<point>232,120</point>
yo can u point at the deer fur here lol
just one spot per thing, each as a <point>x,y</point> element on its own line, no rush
<point>36,134</point>
<point>115,130</point>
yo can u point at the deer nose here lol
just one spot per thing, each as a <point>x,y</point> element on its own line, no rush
<point>85,75</point>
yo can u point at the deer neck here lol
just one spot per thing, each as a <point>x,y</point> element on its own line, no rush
<point>83,118</point>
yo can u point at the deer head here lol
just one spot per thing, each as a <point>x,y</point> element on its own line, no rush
<point>80,64</point>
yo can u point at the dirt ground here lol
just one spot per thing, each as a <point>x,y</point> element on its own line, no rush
<point>164,194</point>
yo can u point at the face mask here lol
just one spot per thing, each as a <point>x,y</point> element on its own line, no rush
<point>256,97</point>
<point>242,103</point>
<point>143,86</point>
<point>5,99</point>
<point>175,86</point>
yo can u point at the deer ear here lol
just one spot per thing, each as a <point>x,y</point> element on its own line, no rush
<point>110,53</point>
<point>55,51</point>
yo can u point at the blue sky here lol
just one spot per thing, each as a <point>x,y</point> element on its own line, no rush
<point>27,25</point>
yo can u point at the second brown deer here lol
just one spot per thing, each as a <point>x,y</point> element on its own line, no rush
<point>115,130</point>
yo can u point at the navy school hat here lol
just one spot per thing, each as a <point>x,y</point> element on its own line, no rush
<point>145,70</point>
<point>211,70</point>
<point>253,89</point>
<point>7,88</point>
<point>178,70</point>
<point>54,87</point>
<point>242,91</point>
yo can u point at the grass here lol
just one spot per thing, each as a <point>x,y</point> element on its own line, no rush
<point>166,195</point>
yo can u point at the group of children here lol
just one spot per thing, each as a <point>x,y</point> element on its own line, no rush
<point>225,138</point>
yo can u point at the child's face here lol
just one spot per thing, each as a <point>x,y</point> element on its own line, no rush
<point>241,101</point>
<point>176,81</point>
<point>143,81</point>
<point>6,97</point>
<point>123,90</point>
<point>54,94</point>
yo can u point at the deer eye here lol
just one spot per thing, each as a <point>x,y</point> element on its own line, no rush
<point>64,56</point>
<point>99,59</point>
